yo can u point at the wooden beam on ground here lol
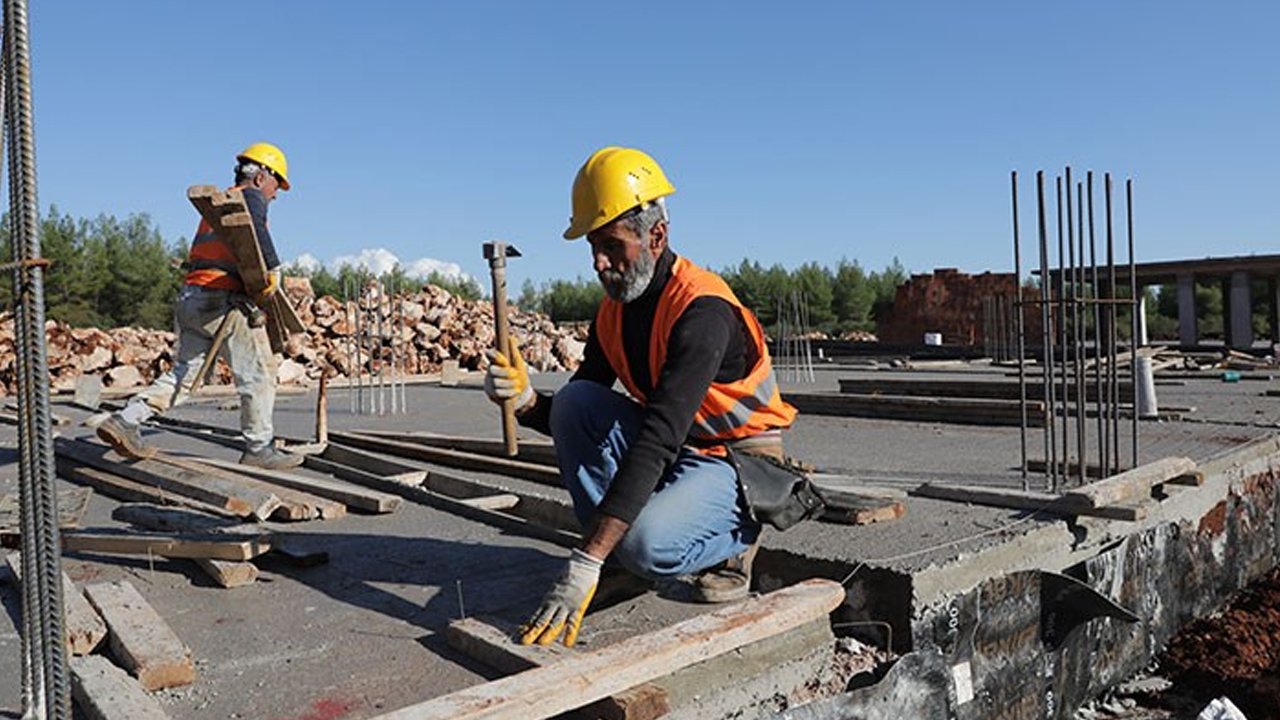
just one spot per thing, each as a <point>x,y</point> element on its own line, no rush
<point>1028,500</point>
<point>549,512</point>
<point>1132,485</point>
<point>126,490</point>
<point>227,573</point>
<point>849,507</point>
<point>215,546</point>
<point>103,691</point>
<point>366,462</point>
<point>534,451</point>
<point>72,505</point>
<point>571,683</point>
<point>918,409</point>
<point>294,504</point>
<point>958,388</point>
<point>140,639</point>
<point>363,499</point>
<point>544,474</point>
<point>85,628</point>
<point>212,488</point>
<point>496,648</point>
<point>503,501</point>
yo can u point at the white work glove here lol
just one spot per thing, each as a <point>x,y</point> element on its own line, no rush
<point>508,379</point>
<point>562,609</point>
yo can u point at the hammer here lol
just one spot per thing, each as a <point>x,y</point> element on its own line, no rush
<point>497,252</point>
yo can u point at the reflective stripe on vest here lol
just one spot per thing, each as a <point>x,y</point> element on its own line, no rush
<point>212,262</point>
<point>729,411</point>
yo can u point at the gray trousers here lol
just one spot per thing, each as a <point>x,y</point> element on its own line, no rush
<point>197,315</point>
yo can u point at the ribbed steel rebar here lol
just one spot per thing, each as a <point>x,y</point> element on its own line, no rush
<point>1046,334</point>
<point>1097,330</point>
<point>1082,380</point>
<point>1077,344</point>
<point>1062,338</point>
<point>1113,374</point>
<point>1137,298</point>
<point>35,438</point>
<point>1022,367</point>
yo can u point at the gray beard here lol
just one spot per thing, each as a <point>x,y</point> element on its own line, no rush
<point>627,286</point>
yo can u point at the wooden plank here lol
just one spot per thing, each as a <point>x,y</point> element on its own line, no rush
<point>103,691</point>
<point>851,508</point>
<point>84,627</point>
<point>1028,500</point>
<point>367,462</point>
<point>217,546</point>
<point>226,213</point>
<point>179,520</point>
<point>504,501</point>
<point>544,474</point>
<point>918,409</point>
<point>126,490</point>
<point>549,512</point>
<point>140,639</point>
<point>959,388</point>
<point>294,504</point>
<point>534,451</point>
<point>561,686</point>
<point>72,505</point>
<point>360,477</point>
<point>497,649</point>
<point>1132,485</point>
<point>212,488</point>
<point>228,573</point>
<point>368,500</point>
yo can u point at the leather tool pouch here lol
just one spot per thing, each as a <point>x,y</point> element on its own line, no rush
<point>776,493</point>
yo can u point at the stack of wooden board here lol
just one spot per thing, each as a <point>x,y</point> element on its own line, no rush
<point>226,213</point>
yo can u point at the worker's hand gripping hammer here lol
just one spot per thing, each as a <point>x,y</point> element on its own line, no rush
<point>496,253</point>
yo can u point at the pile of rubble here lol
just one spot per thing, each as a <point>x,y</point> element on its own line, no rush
<point>419,332</point>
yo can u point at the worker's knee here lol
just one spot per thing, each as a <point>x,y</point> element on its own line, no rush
<point>579,406</point>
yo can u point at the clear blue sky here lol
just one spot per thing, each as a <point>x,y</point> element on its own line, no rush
<point>793,131</point>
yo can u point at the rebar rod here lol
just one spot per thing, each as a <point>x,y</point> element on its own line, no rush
<point>1046,335</point>
<point>379,343</point>
<point>35,437</point>
<point>1062,336</point>
<point>1022,367</point>
<point>1113,374</point>
<point>1133,334</point>
<point>1082,332</point>
<point>1076,363</point>
<point>1097,331</point>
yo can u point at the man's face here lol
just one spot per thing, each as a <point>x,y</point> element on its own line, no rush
<point>268,183</point>
<point>623,262</point>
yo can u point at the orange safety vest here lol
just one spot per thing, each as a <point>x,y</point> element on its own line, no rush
<point>212,262</point>
<point>729,411</point>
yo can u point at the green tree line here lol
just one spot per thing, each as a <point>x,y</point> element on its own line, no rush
<point>347,279</point>
<point>839,299</point>
<point>104,272</point>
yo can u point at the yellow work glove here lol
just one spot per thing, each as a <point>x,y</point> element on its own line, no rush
<point>508,379</point>
<point>273,284</point>
<point>562,609</point>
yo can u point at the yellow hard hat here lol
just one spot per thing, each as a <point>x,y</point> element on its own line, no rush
<point>270,157</point>
<point>612,181</point>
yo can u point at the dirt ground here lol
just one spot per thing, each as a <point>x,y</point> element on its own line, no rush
<point>1234,653</point>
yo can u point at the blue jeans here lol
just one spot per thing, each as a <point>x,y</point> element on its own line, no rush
<point>694,518</point>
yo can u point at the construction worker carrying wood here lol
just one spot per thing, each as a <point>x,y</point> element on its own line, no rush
<point>652,476</point>
<point>212,302</point>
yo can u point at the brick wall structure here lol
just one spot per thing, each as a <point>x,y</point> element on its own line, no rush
<point>948,302</point>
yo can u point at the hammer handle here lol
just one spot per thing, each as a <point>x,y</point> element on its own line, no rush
<point>211,355</point>
<point>502,333</point>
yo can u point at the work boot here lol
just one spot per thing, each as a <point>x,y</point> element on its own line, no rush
<point>124,437</point>
<point>727,581</point>
<point>270,458</point>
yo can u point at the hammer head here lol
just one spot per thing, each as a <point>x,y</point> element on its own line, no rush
<point>496,249</point>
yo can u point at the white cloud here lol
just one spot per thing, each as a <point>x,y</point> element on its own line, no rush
<point>382,260</point>
<point>307,262</point>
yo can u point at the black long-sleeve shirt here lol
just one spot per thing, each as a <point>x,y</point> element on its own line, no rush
<point>709,342</point>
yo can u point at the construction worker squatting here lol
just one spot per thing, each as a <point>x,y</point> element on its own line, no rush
<point>648,473</point>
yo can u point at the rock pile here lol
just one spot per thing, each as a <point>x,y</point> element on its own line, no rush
<point>418,332</point>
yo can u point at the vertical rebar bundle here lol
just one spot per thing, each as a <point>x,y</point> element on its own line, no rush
<point>793,360</point>
<point>377,320</point>
<point>1080,305</point>
<point>46,686</point>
